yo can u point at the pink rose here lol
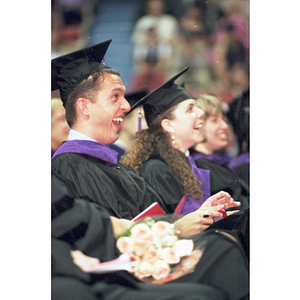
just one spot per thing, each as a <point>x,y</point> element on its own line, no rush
<point>168,254</point>
<point>161,269</point>
<point>125,244</point>
<point>136,259</point>
<point>150,255</point>
<point>140,249</point>
<point>188,263</point>
<point>145,269</point>
<point>140,232</point>
<point>184,247</point>
<point>169,240</point>
<point>161,228</point>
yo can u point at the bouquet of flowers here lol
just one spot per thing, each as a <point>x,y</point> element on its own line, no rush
<point>158,254</point>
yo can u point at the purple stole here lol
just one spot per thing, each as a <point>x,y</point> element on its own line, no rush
<point>220,159</point>
<point>242,159</point>
<point>88,147</point>
<point>190,204</point>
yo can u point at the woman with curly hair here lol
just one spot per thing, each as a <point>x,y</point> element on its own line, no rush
<point>160,153</point>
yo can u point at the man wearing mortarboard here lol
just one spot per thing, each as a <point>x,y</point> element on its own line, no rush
<point>93,96</point>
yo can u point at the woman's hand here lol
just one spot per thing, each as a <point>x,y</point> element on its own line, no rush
<point>194,223</point>
<point>220,198</point>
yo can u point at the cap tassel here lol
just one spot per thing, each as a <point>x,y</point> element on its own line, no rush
<point>140,118</point>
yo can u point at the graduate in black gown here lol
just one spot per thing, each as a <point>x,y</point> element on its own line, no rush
<point>83,226</point>
<point>91,165</point>
<point>239,117</point>
<point>206,153</point>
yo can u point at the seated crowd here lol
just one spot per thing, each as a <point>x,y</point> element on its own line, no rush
<point>95,195</point>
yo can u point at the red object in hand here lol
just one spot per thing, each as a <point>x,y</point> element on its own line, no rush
<point>153,210</point>
<point>222,210</point>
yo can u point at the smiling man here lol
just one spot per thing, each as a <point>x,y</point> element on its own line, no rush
<point>93,96</point>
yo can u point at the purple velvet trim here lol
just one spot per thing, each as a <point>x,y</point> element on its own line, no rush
<point>215,157</point>
<point>90,148</point>
<point>244,158</point>
<point>204,176</point>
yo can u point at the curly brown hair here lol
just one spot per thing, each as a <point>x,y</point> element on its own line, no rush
<point>155,141</point>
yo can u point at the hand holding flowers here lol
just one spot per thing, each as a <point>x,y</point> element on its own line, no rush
<point>160,255</point>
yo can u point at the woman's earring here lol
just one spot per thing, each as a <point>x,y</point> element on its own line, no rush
<point>173,138</point>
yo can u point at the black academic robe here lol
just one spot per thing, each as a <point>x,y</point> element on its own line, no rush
<point>164,181</point>
<point>222,272</point>
<point>167,184</point>
<point>122,192</point>
<point>224,179</point>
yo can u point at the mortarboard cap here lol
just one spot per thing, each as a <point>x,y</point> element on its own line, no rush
<point>162,98</point>
<point>134,97</point>
<point>69,70</point>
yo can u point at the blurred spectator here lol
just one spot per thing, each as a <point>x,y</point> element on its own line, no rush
<point>192,46</point>
<point>166,25</point>
<point>229,45</point>
<point>151,59</point>
<point>239,76</point>
<point>59,126</point>
<point>226,52</point>
<point>153,36</point>
<point>71,20</point>
<point>235,13</point>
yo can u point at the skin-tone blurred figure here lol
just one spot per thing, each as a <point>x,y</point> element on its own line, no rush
<point>129,127</point>
<point>59,126</point>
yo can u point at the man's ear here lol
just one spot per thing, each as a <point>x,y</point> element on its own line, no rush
<point>167,125</point>
<point>83,107</point>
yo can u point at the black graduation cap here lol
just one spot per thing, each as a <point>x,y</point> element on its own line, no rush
<point>133,97</point>
<point>71,69</point>
<point>162,98</point>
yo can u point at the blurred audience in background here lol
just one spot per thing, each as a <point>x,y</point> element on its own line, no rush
<point>71,20</point>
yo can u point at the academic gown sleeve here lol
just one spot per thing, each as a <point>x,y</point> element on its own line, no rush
<point>164,181</point>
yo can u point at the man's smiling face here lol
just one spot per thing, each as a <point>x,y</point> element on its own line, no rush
<point>108,109</point>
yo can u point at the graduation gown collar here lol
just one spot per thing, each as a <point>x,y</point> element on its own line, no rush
<point>215,157</point>
<point>88,147</point>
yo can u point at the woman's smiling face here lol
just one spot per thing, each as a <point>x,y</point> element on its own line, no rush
<point>214,130</point>
<point>187,125</point>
